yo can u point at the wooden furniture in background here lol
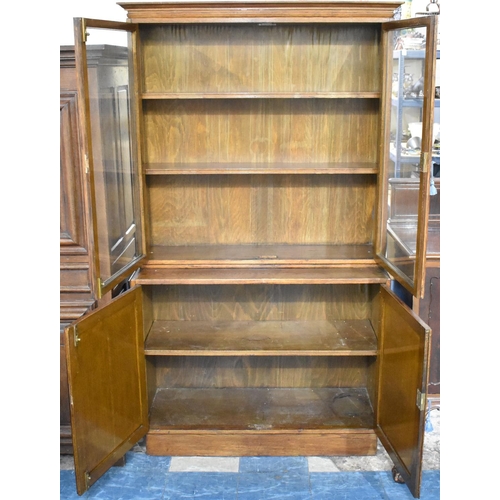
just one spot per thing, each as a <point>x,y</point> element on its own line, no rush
<point>76,279</point>
<point>260,321</point>
<point>404,195</point>
<point>79,281</point>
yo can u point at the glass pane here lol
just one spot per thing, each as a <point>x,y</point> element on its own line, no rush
<point>403,177</point>
<point>112,123</point>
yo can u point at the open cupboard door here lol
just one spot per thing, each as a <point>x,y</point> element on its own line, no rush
<point>408,149</point>
<point>107,384</point>
<point>404,343</point>
<point>106,64</point>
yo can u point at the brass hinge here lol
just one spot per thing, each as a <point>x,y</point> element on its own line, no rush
<point>424,164</point>
<point>85,33</point>
<point>87,479</point>
<point>76,337</point>
<point>99,288</point>
<point>421,397</point>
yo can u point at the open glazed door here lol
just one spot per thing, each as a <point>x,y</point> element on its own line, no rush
<point>404,343</point>
<point>107,385</point>
<point>408,149</point>
<point>105,57</point>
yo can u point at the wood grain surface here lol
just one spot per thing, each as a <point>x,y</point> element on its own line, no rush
<point>208,59</point>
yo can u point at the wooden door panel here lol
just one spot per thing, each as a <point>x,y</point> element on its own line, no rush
<point>403,374</point>
<point>401,248</point>
<point>72,212</point>
<point>107,381</point>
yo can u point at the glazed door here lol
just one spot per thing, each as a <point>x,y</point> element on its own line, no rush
<point>107,385</point>
<point>404,343</point>
<point>105,58</point>
<point>407,142</point>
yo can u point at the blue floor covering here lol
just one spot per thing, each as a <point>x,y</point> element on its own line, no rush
<point>145,477</point>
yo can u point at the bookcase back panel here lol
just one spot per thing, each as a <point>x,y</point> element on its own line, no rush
<point>243,58</point>
<point>261,130</point>
<point>261,371</point>
<point>262,302</point>
<point>265,209</point>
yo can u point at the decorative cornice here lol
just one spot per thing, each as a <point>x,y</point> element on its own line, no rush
<point>262,11</point>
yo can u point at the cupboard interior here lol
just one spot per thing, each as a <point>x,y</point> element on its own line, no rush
<point>230,112</point>
<point>243,359</point>
<point>260,150</point>
<point>215,58</point>
<point>255,130</point>
<point>213,210</point>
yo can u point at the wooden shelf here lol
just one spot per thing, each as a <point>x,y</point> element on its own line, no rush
<point>260,95</point>
<point>283,276</point>
<point>260,256</point>
<point>261,409</point>
<point>261,421</point>
<point>262,338</point>
<point>216,168</point>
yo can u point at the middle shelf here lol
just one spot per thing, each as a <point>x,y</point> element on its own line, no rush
<point>262,338</point>
<point>276,276</point>
<point>261,168</point>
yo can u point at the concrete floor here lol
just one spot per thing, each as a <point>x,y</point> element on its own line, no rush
<point>378,462</point>
<point>144,477</point>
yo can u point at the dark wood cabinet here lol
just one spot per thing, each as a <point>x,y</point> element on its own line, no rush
<point>76,276</point>
<point>79,276</point>
<point>428,307</point>
<point>238,165</point>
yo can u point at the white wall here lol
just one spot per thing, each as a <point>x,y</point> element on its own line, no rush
<point>95,9</point>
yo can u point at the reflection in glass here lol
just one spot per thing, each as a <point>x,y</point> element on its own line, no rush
<point>110,96</point>
<point>403,169</point>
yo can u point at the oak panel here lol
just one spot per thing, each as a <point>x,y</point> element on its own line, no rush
<point>344,442</point>
<point>253,255</point>
<point>242,58</point>
<point>261,371</point>
<point>260,168</point>
<point>229,338</point>
<point>263,302</point>
<point>260,209</point>
<point>403,374</point>
<point>261,130</point>
<point>249,276</point>
<point>261,409</point>
<point>106,377</point>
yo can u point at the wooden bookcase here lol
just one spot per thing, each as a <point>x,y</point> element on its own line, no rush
<point>259,320</point>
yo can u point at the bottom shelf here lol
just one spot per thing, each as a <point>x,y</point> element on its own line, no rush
<point>261,421</point>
